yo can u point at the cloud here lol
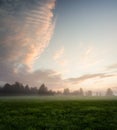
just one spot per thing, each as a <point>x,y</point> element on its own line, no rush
<point>112,67</point>
<point>51,78</point>
<point>89,57</point>
<point>83,78</point>
<point>59,57</point>
<point>26,29</point>
<point>59,53</point>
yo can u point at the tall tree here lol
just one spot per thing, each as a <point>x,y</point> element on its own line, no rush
<point>27,89</point>
<point>66,91</point>
<point>109,92</point>
<point>81,92</point>
<point>89,93</point>
<point>43,90</point>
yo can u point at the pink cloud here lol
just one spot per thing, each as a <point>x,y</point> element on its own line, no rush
<point>28,35</point>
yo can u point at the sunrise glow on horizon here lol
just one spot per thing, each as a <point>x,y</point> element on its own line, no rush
<point>62,43</point>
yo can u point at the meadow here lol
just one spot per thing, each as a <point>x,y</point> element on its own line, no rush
<point>58,113</point>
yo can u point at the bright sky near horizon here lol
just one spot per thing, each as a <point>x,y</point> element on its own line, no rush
<point>62,43</point>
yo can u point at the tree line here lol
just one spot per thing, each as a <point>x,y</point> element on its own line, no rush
<point>19,89</point>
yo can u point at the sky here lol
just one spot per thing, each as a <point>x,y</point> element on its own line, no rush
<point>62,43</point>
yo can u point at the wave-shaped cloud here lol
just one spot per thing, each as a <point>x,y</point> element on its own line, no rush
<point>26,29</point>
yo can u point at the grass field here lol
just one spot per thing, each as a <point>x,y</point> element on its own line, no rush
<point>47,114</point>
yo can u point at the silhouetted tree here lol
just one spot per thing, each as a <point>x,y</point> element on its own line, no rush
<point>14,89</point>
<point>89,93</point>
<point>50,92</point>
<point>66,91</point>
<point>34,90</point>
<point>18,88</point>
<point>76,92</point>
<point>81,93</point>
<point>59,93</point>
<point>27,89</point>
<point>43,90</point>
<point>109,92</point>
<point>0,90</point>
<point>6,89</point>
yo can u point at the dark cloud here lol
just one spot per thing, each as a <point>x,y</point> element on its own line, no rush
<point>50,77</point>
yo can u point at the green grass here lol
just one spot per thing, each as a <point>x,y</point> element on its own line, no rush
<point>38,114</point>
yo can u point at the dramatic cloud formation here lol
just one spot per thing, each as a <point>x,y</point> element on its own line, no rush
<point>26,29</point>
